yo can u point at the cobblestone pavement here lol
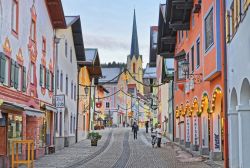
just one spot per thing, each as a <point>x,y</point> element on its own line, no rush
<point>120,150</point>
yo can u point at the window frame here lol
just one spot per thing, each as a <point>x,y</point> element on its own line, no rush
<point>14,30</point>
<point>178,68</point>
<point>208,46</point>
<point>198,53</point>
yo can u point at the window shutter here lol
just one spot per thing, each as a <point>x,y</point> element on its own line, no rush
<point>246,4</point>
<point>12,73</point>
<point>227,26</point>
<point>47,79</point>
<point>24,80</point>
<point>49,87</point>
<point>41,75</point>
<point>239,11</point>
<point>52,82</point>
<point>2,67</point>
<point>235,14</point>
<point>16,76</point>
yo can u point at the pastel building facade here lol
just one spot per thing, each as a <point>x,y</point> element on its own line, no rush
<point>26,45</point>
<point>237,39</point>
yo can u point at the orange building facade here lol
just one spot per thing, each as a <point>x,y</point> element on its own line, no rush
<point>198,92</point>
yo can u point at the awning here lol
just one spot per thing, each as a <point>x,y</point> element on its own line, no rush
<point>33,112</point>
<point>12,106</point>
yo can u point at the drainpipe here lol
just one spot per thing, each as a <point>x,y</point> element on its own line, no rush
<point>77,106</point>
<point>225,103</point>
<point>173,116</point>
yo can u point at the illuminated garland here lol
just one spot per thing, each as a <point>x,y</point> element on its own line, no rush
<point>215,94</point>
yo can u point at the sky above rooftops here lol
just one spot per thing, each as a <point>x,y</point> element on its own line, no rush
<point>107,25</point>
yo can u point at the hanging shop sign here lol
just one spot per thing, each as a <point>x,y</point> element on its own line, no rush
<point>60,101</point>
<point>196,131</point>
<point>98,104</point>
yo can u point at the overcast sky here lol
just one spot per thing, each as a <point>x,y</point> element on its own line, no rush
<point>107,25</point>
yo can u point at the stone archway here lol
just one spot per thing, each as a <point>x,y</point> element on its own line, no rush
<point>243,121</point>
<point>217,141</point>
<point>233,128</point>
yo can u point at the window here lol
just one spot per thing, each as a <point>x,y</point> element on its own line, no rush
<point>75,92</point>
<point>14,16</point>
<point>192,59</point>
<point>228,26</point>
<point>4,69</point>
<point>48,78</point>
<point>60,126</point>
<point>71,54</point>
<point>180,74</point>
<point>233,18</point>
<point>32,70</point>
<point>56,122</point>
<point>107,104</point>
<point>198,53</point>
<point>61,82</point>
<point>71,123</point>
<point>133,67</point>
<point>74,123</point>
<point>19,74</point>
<point>72,90</point>
<point>42,76</point>
<point>182,35</point>
<point>66,48</point>
<point>57,79</point>
<point>16,76</point>
<point>209,34</point>
<point>188,59</point>
<point>51,81</point>
<point>66,87</point>
<point>33,30</point>
<point>193,19</point>
<point>24,87</point>
<point>44,45</point>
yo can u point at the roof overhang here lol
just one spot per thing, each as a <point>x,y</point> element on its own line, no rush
<point>78,39</point>
<point>180,14</point>
<point>166,35</point>
<point>56,13</point>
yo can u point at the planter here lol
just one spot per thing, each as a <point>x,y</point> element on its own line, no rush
<point>94,142</point>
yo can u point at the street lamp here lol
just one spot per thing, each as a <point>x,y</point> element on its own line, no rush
<point>197,78</point>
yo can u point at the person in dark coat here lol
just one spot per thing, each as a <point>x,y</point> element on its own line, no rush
<point>146,125</point>
<point>135,129</point>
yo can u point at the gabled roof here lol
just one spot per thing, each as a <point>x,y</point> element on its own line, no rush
<point>110,73</point>
<point>150,72</point>
<point>92,61</point>
<point>75,23</point>
<point>56,13</point>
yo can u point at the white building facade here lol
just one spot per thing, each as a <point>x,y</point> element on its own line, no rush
<point>67,83</point>
<point>238,51</point>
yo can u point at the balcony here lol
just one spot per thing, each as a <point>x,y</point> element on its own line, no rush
<point>180,14</point>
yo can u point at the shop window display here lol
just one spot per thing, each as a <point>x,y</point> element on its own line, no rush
<point>14,131</point>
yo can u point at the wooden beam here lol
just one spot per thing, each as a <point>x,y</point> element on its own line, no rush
<point>180,26</point>
<point>168,40</point>
<point>167,54</point>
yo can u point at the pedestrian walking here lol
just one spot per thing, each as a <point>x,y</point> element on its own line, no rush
<point>159,135</point>
<point>153,135</point>
<point>146,125</point>
<point>135,130</point>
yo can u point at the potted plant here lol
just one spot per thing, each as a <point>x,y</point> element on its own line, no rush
<point>94,137</point>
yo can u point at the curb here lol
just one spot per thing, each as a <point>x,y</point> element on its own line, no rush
<point>205,158</point>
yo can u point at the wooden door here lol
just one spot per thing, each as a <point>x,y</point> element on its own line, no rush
<point>3,133</point>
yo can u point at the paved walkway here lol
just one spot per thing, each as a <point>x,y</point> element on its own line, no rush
<point>118,149</point>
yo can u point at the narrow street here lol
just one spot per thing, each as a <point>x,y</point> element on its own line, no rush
<point>117,148</point>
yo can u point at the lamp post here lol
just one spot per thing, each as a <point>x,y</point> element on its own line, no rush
<point>197,78</point>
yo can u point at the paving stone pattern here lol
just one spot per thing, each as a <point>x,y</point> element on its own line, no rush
<point>120,150</point>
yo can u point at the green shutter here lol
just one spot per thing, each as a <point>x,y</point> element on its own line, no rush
<point>2,67</point>
<point>47,79</point>
<point>24,80</point>
<point>12,73</point>
<point>52,82</point>
<point>16,75</point>
<point>41,75</point>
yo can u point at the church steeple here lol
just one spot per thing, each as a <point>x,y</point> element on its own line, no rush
<point>134,51</point>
